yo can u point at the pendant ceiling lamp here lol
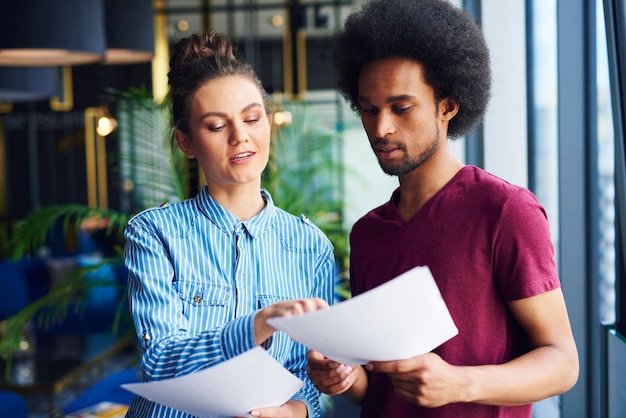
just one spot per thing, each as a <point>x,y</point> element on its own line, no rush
<point>51,33</point>
<point>26,84</point>
<point>129,31</point>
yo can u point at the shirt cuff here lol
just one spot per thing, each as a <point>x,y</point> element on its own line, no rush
<point>238,336</point>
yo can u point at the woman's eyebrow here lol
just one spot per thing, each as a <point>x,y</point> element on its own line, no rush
<point>224,115</point>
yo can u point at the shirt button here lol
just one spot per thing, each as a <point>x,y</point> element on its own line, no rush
<point>146,336</point>
<point>197,298</point>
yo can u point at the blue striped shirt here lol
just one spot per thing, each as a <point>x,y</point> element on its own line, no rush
<point>197,275</point>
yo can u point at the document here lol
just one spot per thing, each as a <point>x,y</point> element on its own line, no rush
<point>231,388</point>
<point>402,318</point>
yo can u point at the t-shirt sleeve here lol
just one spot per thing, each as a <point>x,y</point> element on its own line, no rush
<point>524,263</point>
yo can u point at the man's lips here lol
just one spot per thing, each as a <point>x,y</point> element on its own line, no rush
<point>386,153</point>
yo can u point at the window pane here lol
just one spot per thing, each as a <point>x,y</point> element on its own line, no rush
<point>606,189</point>
<point>545,129</point>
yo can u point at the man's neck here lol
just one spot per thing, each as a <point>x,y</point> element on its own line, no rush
<point>417,187</point>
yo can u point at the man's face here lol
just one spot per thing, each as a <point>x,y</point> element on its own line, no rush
<point>399,114</point>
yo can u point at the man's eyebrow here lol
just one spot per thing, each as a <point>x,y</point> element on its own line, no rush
<point>398,98</point>
<point>390,99</point>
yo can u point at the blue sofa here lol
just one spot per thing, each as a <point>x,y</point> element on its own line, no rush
<point>12,405</point>
<point>108,389</point>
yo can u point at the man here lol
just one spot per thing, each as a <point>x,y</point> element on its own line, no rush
<point>417,72</point>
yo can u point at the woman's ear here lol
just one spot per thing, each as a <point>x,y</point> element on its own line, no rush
<point>449,108</point>
<point>184,143</point>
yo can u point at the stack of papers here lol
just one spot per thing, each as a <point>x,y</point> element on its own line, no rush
<point>402,318</point>
<point>231,388</point>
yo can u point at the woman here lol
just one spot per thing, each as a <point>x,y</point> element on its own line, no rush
<point>205,274</point>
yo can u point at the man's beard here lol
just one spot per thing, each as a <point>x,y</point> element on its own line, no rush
<point>409,164</point>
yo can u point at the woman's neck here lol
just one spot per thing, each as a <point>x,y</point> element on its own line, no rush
<point>243,201</point>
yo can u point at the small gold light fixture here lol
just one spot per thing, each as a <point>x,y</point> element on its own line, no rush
<point>277,21</point>
<point>283,118</point>
<point>106,124</point>
<point>182,25</point>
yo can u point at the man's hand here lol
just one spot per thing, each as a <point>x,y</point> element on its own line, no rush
<point>425,380</point>
<point>330,377</point>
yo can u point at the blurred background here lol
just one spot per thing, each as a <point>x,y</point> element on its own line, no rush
<point>84,145</point>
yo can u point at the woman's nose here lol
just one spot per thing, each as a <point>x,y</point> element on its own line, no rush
<point>238,134</point>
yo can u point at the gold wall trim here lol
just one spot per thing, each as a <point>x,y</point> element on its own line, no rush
<point>287,56</point>
<point>160,61</point>
<point>64,101</point>
<point>95,158</point>
<point>4,187</point>
<point>301,63</point>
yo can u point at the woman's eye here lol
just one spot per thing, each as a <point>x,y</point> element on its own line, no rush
<point>216,128</point>
<point>252,120</point>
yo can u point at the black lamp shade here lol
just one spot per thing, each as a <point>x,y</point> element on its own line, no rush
<point>51,33</point>
<point>129,31</point>
<point>26,84</point>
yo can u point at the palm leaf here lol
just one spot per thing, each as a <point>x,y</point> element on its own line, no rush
<point>157,175</point>
<point>304,174</point>
<point>33,231</point>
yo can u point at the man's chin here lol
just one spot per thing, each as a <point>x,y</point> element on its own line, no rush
<point>390,170</point>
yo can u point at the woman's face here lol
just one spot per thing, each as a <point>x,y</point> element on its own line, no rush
<point>229,132</point>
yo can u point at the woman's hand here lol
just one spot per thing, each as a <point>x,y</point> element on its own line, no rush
<point>262,330</point>
<point>291,409</point>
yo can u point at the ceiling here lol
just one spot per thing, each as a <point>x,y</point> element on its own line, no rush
<point>264,19</point>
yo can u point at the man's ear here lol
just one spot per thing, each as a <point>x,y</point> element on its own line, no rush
<point>184,143</point>
<point>449,108</point>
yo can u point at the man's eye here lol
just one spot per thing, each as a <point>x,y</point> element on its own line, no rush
<point>402,109</point>
<point>368,110</point>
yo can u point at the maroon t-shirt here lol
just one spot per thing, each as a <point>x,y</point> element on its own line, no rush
<point>486,242</point>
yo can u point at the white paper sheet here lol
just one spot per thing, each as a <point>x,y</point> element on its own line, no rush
<point>231,388</point>
<point>402,318</point>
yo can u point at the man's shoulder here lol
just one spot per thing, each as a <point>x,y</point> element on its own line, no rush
<point>485,186</point>
<point>377,214</point>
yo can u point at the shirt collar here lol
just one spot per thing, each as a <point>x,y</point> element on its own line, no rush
<point>228,222</point>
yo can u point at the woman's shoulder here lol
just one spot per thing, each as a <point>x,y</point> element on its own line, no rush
<point>168,215</point>
<point>299,228</point>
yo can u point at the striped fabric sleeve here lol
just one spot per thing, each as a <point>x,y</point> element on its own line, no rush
<point>167,347</point>
<point>324,289</point>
